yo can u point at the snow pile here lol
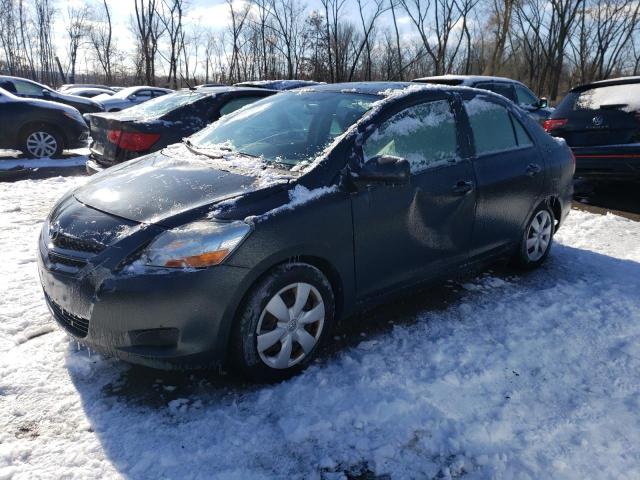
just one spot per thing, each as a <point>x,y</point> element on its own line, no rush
<point>528,376</point>
<point>78,159</point>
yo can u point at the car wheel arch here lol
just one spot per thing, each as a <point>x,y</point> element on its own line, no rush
<point>320,263</point>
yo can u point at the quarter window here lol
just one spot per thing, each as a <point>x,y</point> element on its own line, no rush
<point>524,140</point>
<point>491,126</point>
<point>424,134</point>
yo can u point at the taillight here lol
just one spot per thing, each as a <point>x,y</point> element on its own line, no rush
<point>553,124</point>
<point>114,136</point>
<point>132,141</point>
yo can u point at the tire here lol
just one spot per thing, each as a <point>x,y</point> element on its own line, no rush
<point>269,341</point>
<point>536,240</point>
<point>41,141</point>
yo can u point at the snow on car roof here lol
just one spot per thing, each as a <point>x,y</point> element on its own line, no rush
<point>465,79</point>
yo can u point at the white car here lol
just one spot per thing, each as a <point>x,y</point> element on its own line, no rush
<point>129,97</point>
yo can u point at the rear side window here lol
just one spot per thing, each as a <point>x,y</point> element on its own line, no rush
<point>424,134</point>
<point>237,103</point>
<point>491,126</point>
<point>27,88</point>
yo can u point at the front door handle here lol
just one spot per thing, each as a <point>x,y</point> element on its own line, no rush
<point>462,187</point>
<point>533,169</point>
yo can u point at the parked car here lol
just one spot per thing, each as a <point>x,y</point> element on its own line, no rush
<point>30,89</point>
<point>69,86</point>
<point>89,92</point>
<point>39,128</point>
<point>129,97</point>
<point>601,123</point>
<point>277,84</point>
<point>245,243</point>
<point>153,125</point>
<point>515,91</point>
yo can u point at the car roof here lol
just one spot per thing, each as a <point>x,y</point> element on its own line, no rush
<point>230,88</point>
<point>9,77</point>
<point>606,83</point>
<point>277,84</point>
<point>369,88</point>
<point>465,79</point>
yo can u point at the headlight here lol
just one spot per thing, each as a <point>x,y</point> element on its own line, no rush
<point>199,244</point>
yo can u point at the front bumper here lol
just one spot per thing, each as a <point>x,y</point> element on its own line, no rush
<point>162,319</point>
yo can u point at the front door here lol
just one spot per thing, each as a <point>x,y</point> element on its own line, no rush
<point>409,232</point>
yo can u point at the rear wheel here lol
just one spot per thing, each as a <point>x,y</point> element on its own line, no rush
<point>42,141</point>
<point>284,321</point>
<point>536,239</point>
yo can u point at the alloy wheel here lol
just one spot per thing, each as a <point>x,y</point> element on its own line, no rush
<point>539,235</point>
<point>41,144</point>
<point>290,325</point>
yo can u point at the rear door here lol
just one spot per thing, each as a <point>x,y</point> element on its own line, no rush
<point>509,171</point>
<point>406,233</point>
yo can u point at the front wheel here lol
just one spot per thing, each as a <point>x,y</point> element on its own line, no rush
<point>536,239</point>
<point>286,318</point>
<point>42,142</point>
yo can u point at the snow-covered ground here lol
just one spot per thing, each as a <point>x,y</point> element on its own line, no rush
<point>10,159</point>
<point>530,376</point>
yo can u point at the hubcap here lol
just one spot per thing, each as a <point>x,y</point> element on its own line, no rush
<point>41,144</point>
<point>290,325</point>
<point>539,235</point>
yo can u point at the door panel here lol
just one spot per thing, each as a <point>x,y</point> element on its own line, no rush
<point>406,233</point>
<point>509,171</point>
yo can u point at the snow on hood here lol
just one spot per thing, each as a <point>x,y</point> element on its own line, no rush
<point>163,184</point>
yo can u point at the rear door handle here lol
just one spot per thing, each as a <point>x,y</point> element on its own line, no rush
<point>462,187</point>
<point>533,169</point>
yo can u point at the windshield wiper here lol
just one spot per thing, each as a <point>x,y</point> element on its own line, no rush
<point>193,149</point>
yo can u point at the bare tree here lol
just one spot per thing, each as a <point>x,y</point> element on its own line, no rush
<point>147,23</point>
<point>101,36</point>
<point>77,30</point>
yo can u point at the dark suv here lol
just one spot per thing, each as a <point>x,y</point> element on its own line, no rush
<point>245,243</point>
<point>601,123</point>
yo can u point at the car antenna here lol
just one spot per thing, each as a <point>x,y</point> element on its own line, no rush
<point>187,82</point>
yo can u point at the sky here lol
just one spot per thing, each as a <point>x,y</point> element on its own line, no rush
<point>210,14</point>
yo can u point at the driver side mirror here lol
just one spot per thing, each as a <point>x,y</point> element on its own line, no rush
<point>543,103</point>
<point>46,93</point>
<point>384,169</point>
<point>132,97</point>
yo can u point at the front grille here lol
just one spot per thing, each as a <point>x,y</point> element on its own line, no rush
<point>75,325</point>
<point>69,262</point>
<point>72,243</point>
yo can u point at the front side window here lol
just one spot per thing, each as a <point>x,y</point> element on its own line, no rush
<point>424,134</point>
<point>491,126</point>
<point>525,97</point>
<point>287,128</point>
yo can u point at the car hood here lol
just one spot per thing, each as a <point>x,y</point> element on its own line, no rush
<point>76,99</point>
<point>164,184</point>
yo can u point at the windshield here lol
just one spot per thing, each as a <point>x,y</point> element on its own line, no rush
<point>165,104</point>
<point>286,128</point>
